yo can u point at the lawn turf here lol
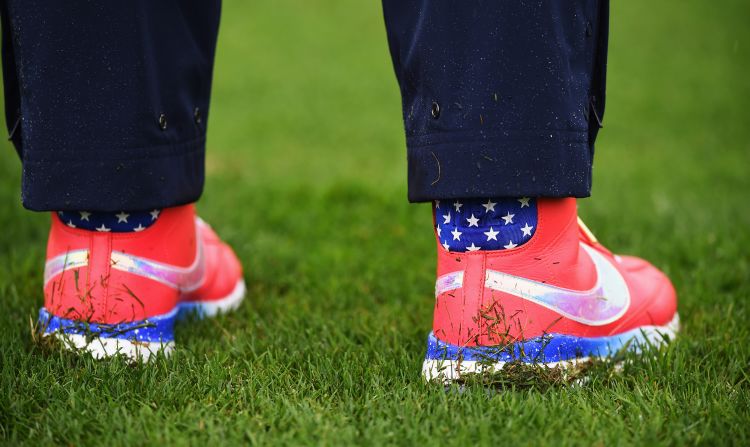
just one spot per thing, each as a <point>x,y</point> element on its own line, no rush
<point>306,179</point>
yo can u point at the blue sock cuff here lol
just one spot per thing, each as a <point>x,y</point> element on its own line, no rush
<point>122,222</point>
<point>485,224</point>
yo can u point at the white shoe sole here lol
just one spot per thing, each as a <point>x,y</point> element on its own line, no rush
<point>101,347</point>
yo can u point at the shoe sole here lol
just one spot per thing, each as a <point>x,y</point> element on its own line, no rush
<point>203,309</point>
<point>137,340</point>
<point>445,362</point>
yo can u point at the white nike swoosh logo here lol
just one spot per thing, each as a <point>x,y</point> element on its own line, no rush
<point>184,279</point>
<point>604,303</point>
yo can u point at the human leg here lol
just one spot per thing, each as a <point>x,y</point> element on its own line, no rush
<point>502,102</point>
<point>107,105</point>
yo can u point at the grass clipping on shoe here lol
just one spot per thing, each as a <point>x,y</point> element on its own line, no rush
<point>633,358</point>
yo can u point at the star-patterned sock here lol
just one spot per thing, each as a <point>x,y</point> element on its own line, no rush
<point>122,222</point>
<point>485,224</point>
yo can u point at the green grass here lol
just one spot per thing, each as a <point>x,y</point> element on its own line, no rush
<point>306,180</point>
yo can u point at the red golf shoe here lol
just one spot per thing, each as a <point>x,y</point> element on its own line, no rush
<point>557,299</point>
<point>121,293</point>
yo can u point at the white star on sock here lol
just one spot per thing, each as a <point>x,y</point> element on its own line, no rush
<point>473,221</point>
<point>458,206</point>
<point>122,217</point>
<point>473,247</point>
<point>456,234</point>
<point>102,228</point>
<point>84,215</point>
<point>526,229</point>
<point>491,235</point>
<point>70,224</point>
<point>438,230</point>
<point>524,201</point>
<point>139,228</point>
<point>154,214</point>
<point>508,218</point>
<point>446,246</point>
<point>489,206</point>
<point>510,245</point>
<point>447,218</point>
<point>437,204</point>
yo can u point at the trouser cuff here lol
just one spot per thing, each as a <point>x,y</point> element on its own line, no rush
<point>514,164</point>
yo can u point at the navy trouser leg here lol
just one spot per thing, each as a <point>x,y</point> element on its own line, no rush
<point>107,101</point>
<point>500,97</point>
